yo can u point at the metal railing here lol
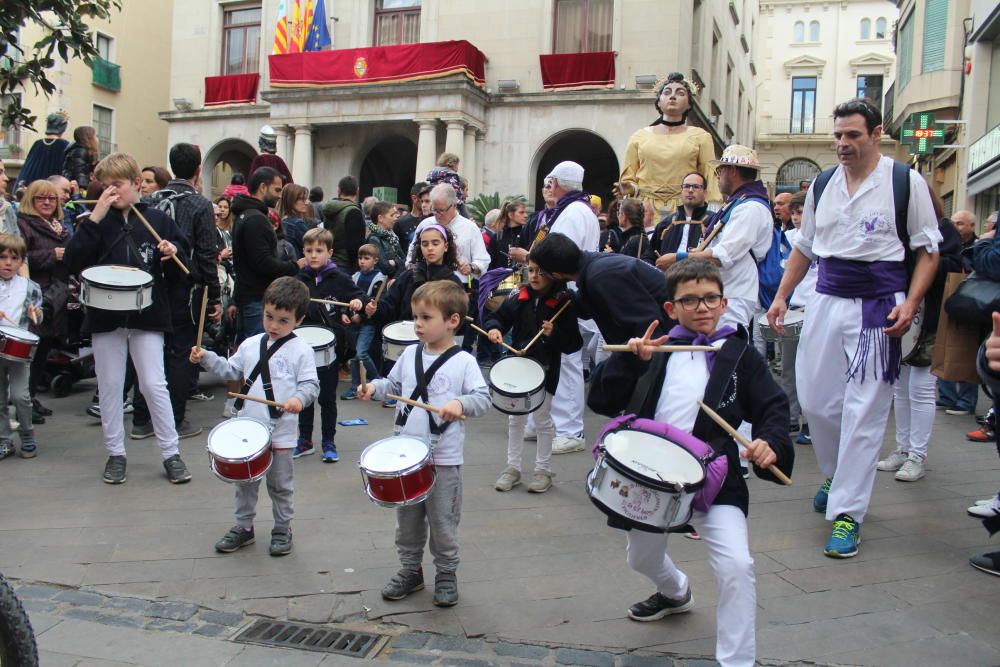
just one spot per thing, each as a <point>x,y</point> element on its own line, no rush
<point>106,74</point>
<point>784,126</point>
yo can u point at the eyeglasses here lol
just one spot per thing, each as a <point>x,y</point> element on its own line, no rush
<point>46,198</point>
<point>692,303</point>
<point>692,186</point>
<point>547,185</point>
<point>441,211</point>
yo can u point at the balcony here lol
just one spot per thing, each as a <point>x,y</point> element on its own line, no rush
<point>888,107</point>
<point>781,128</point>
<point>106,75</point>
<point>11,145</point>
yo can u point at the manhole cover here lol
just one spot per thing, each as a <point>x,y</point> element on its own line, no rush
<point>323,639</point>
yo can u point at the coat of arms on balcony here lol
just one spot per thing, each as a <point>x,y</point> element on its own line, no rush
<point>360,66</point>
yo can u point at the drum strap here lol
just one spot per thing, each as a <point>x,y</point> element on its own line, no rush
<point>420,392</point>
<point>126,236</point>
<point>264,371</point>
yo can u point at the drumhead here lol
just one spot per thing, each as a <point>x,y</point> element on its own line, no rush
<point>18,333</point>
<point>393,454</point>
<point>654,457</point>
<point>400,332</point>
<point>791,317</point>
<point>112,275</point>
<point>517,375</point>
<point>319,338</point>
<point>238,438</point>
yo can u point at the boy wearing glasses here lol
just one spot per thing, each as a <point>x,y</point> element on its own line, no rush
<point>736,383</point>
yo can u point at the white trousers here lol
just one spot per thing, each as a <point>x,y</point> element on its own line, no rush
<point>567,406</point>
<point>111,351</point>
<point>846,417</point>
<point>723,530</point>
<point>545,430</point>
<point>913,404</point>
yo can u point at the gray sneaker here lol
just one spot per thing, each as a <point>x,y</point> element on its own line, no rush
<point>657,606</point>
<point>281,542</point>
<point>445,589</point>
<point>893,462</point>
<point>114,470</point>
<point>141,431</point>
<point>177,472</point>
<point>509,478</point>
<point>186,430</point>
<point>911,470</point>
<point>236,538</point>
<point>402,584</point>
<point>541,481</point>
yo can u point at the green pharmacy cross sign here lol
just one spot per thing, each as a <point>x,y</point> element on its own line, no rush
<point>921,134</point>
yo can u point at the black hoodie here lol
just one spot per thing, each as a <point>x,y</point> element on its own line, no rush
<point>255,251</point>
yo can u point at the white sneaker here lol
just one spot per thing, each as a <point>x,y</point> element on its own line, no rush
<point>893,462</point>
<point>564,445</point>
<point>986,501</point>
<point>510,478</point>
<point>911,470</point>
<point>987,511</point>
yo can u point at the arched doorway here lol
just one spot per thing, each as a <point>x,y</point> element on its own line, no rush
<point>591,151</point>
<point>228,157</point>
<point>793,172</point>
<point>391,163</point>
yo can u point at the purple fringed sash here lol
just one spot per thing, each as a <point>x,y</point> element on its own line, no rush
<point>487,283</point>
<point>876,284</point>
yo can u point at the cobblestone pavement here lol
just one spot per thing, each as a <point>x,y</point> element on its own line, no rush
<point>127,575</point>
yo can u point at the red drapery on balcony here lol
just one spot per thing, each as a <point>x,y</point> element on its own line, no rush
<point>377,64</point>
<point>232,89</point>
<point>562,71</point>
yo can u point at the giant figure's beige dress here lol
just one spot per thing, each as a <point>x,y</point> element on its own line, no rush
<point>655,165</point>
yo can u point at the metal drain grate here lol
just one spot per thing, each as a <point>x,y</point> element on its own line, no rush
<point>306,637</point>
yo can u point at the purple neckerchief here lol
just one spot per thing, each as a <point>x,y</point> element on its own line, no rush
<point>876,284</point>
<point>564,201</point>
<point>323,271</point>
<point>683,334</point>
<point>754,189</point>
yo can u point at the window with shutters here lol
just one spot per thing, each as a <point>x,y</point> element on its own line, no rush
<point>583,26</point>
<point>866,29</point>
<point>397,22</point>
<point>904,52</point>
<point>103,122</point>
<point>935,32</point>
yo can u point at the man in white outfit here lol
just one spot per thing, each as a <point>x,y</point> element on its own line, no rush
<point>473,260</point>
<point>849,357</point>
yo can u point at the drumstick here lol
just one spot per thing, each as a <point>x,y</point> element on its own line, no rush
<point>773,469</point>
<point>418,404</point>
<point>362,373</point>
<point>378,292</point>
<point>159,239</point>
<point>264,401</point>
<point>201,318</point>
<point>704,243</point>
<point>539,334</point>
<point>486,333</point>
<point>332,303</point>
<point>663,348</point>
<point>6,317</point>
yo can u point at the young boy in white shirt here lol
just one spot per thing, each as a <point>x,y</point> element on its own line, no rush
<point>291,369</point>
<point>455,385</point>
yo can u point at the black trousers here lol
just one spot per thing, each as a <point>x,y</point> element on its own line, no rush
<point>180,373</point>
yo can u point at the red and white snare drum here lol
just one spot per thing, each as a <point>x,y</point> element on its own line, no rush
<point>17,344</point>
<point>397,471</point>
<point>239,450</point>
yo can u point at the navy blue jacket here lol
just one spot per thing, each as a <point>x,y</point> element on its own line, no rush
<point>622,294</point>
<point>333,285</point>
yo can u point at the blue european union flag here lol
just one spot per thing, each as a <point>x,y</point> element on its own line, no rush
<point>318,36</point>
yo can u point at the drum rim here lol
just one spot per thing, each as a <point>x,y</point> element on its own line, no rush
<point>529,392</point>
<point>130,288</point>
<point>423,463</point>
<point>16,337</point>
<point>321,346</point>
<point>213,455</point>
<point>659,485</point>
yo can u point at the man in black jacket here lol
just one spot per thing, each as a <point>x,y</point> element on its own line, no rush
<point>195,215</point>
<point>255,251</point>
<point>682,229</point>
<point>343,217</point>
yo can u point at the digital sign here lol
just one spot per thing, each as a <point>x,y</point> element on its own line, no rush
<point>920,132</point>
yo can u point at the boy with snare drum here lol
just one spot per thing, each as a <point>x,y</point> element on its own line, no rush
<point>113,233</point>
<point>736,383</point>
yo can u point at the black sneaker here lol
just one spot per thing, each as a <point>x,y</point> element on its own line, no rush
<point>186,430</point>
<point>403,583</point>
<point>141,431</point>
<point>234,539</point>
<point>114,470</point>
<point>656,606</point>
<point>445,589</point>
<point>989,563</point>
<point>202,396</point>
<point>94,410</point>
<point>177,472</point>
<point>37,406</point>
<point>37,417</point>
<point>281,542</point>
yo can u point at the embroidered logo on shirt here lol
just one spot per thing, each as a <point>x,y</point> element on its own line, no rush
<point>873,223</point>
<point>439,384</point>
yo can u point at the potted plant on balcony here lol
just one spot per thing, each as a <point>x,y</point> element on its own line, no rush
<point>14,150</point>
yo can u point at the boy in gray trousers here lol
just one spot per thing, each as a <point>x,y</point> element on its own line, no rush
<point>288,362</point>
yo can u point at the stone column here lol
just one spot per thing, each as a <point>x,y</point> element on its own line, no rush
<point>481,161</point>
<point>283,148</point>
<point>302,160</point>
<point>468,167</point>
<point>426,148</point>
<point>454,141</point>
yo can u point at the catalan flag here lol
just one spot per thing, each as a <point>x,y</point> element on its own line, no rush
<point>281,30</point>
<point>318,35</point>
<point>298,33</point>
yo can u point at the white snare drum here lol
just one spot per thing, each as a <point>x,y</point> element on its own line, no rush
<point>911,339</point>
<point>113,287</point>
<point>239,450</point>
<point>17,344</point>
<point>645,479</point>
<point>517,385</point>
<point>396,337</point>
<point>322,341</point>
<point>794,319</point>
<point>397,471</point>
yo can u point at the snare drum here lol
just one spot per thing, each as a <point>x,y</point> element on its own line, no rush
<point>396,337</point>
<point>239,450</point>
<point>794,319</point>
<point>517,385</point>
<point>645,479</point>
<point>17,344</point>
<point>113,287</point>
<point>397,471</point>
<point>910,343</point>
<point>323,343</point>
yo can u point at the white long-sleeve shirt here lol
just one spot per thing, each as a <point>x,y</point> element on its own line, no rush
<point>578,222</point>
<point>863,227</point>
<point>748,229</point>
<point>458,379</point>
<point>469,244</point>
<point>293,375</point>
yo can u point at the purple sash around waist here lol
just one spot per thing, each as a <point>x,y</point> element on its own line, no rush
<point>876,284</point>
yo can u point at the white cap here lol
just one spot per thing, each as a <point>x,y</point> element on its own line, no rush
<point>567,171</point>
